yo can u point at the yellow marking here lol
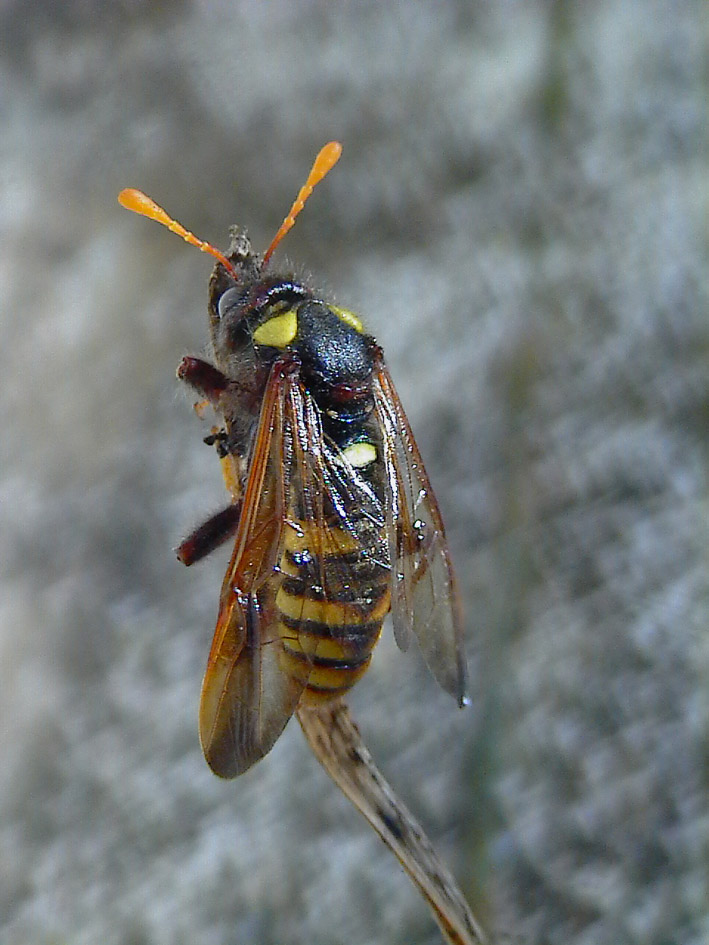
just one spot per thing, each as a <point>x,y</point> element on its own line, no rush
<point>296,669</point>
<point>309,536</point>
<point>331,613</point>
<point>348,317</point>
<point>360,454</point>
<point>323,677</point>
<point>231,475</point>
<point>279,331</point>
<point>314,699</point>
<point>287,567</point>
<point>315,646</point>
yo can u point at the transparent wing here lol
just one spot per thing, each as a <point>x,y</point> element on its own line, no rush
<point>246,698</point>
<point>424,600</point>
<point>332,494</point>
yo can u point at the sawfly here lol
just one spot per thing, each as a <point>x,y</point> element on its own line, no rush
<point>331,512</point>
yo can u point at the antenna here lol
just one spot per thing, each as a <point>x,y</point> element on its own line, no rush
<point>324,163</point>
<point>139,202</point>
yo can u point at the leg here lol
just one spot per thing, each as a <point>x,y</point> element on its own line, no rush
<point>204,377</point>
<point>209,535</point>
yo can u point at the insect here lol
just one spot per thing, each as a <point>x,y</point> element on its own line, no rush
<point>332,515</point>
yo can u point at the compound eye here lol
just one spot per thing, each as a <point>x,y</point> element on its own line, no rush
<point>228,301</point>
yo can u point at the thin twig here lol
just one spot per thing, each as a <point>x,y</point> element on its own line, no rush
<point>338,746</point>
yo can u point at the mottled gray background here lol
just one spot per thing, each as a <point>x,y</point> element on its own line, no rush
<point>519,216</point>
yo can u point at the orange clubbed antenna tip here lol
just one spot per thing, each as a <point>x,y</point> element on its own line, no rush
<point>323,164</point>
<point>139,202</point>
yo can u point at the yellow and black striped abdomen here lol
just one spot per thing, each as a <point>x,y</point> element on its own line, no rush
<point>333,599</point>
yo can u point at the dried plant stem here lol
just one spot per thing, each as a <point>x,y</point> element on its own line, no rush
<point>338,746</point>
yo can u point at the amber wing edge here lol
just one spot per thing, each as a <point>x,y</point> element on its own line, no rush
<point>246,700</point>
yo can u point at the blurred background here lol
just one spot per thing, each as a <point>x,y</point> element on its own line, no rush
<point>519,216</point>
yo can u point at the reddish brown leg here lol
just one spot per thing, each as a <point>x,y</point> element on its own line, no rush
<point>209,535</point>
<point>204,377</point>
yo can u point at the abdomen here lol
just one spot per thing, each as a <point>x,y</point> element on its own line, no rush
<point>331,604</point>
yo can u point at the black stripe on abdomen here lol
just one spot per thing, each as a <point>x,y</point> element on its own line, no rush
<point>329,617</point>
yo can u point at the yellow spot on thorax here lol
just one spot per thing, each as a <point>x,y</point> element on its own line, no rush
<point>348,317</point>
<point>360,454</point>
<point>278,331</point>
